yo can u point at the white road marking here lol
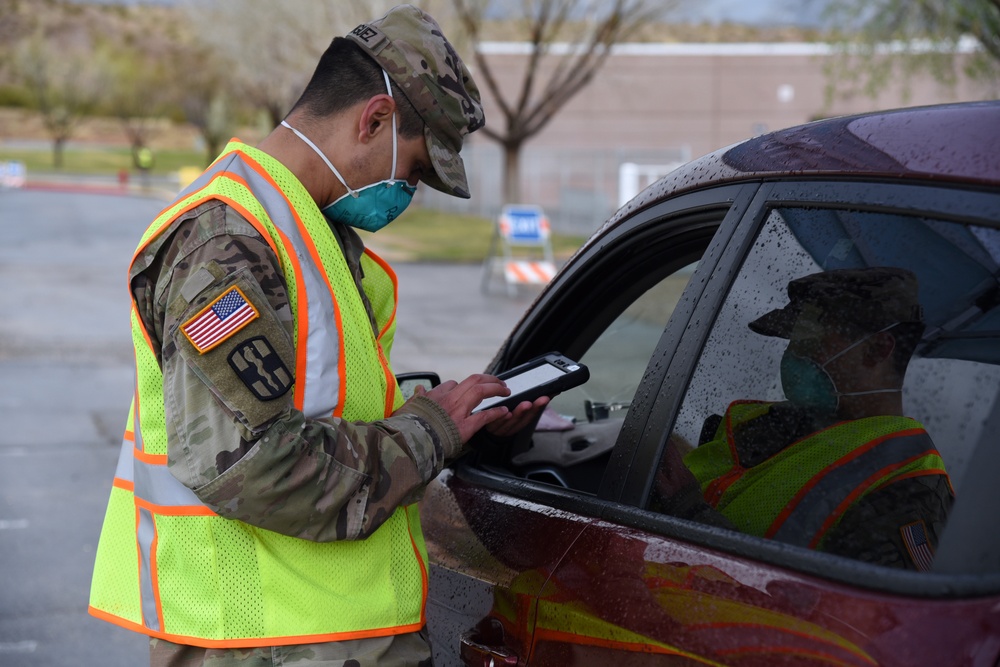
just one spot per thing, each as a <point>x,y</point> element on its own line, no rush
<point>27,646</point>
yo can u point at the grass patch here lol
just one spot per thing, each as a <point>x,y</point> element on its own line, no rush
<point>424,235</point>
<point>419,235</point>
<point>100,161</point>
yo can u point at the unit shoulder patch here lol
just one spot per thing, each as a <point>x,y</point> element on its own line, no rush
<point>260,368</point>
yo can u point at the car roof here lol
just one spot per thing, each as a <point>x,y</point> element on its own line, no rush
<point>950,142</point>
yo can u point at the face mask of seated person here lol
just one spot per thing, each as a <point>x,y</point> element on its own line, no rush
<point>808,384</point>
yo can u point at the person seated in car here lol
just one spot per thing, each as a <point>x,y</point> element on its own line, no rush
<point>835,467</point>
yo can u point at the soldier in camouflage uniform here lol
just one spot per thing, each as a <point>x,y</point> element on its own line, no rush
<point>851,334</point>
<point>233,442</point>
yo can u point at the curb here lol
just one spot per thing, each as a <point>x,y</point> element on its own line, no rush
<point>79,187</point>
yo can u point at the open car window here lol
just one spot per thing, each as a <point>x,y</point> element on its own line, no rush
<point>850,376</point>
<point>608,311</point>
<point>573,440</point>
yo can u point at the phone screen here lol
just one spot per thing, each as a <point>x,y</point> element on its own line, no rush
<point>524,381</point>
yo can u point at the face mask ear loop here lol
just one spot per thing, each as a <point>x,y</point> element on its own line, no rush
<point>859,342</point>
<point>852,346</point>
<point>392,174</point>
<point>353,193</point>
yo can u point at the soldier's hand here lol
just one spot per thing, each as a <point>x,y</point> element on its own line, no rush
<point>523,414</point>
<point>459,399</point>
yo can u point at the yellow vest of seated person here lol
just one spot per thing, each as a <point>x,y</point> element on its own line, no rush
<point>799,494</point>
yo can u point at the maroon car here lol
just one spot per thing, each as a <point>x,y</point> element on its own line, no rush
<point>611,533</point>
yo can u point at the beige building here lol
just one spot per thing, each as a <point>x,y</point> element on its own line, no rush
<point>655,106</point>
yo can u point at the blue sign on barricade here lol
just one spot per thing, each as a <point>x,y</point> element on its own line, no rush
<point>524,225</point>
<point>12,174</point>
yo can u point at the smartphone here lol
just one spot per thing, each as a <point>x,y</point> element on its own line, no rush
<point>546,375</point>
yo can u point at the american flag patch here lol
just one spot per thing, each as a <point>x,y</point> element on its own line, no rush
<point>915,537</point>
<point>219,320</point>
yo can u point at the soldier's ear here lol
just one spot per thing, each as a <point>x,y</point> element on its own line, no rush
<point>879,348</point>
<point>375,117</point>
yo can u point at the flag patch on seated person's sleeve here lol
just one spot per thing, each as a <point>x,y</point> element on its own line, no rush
<point>915,539</point>
<point>219,320</point>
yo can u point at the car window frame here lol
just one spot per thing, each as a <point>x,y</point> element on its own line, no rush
<point>678,359</point>
<point>543,321</point>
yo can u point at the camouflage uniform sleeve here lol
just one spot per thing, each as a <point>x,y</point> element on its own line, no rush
<point>243,448</point>
<point>873,529</point>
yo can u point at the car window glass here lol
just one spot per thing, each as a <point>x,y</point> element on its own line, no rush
<point>574,438</point>
<point>852,370</point>
<point>618,358</point>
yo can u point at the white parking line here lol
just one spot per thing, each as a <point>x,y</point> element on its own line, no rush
<point>13,524</point>
<point>27,646</point>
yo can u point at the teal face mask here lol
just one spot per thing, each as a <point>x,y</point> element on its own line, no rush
<point>371,207</point>
<point>807,383</point>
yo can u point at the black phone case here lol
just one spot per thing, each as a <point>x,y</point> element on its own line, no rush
<point>568,380</point>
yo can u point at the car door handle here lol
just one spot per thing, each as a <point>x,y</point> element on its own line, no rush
<point>474,653</point>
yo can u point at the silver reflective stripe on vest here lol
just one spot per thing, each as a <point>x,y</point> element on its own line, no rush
<point>807,519</point>
<point>145,533</point>
<point>124,469</point>
<point>322,381</point>
<point>155,484</point>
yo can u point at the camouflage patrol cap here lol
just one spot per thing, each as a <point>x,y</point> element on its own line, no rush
<point>409,45</point>
<point>871,299</point>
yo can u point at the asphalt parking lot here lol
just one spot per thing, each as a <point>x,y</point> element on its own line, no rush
<point>65,382</point>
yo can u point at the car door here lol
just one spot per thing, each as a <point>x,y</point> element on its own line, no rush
<point>498,526</point>
<point>640,586</point>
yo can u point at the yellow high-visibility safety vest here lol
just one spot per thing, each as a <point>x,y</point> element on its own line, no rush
<point>167,565</point>
<point>799,494</point>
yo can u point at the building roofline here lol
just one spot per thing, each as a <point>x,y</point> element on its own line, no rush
<point>964,45</point>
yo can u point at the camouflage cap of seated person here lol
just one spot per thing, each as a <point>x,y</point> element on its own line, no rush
<point>409,45</point>
<point>869,299</point>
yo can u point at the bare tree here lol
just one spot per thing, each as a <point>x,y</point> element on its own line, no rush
<point>139,54</point>
<point>886,41</point>
<point>262,54</point>
<point>16,22</point>
<point>58,68</point>
<point>567,43</point>
<point>270,48</point>
<point>207,101</point>
<point>137,92</point>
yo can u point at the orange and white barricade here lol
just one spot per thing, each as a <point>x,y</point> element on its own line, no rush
<point>521,247</point>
